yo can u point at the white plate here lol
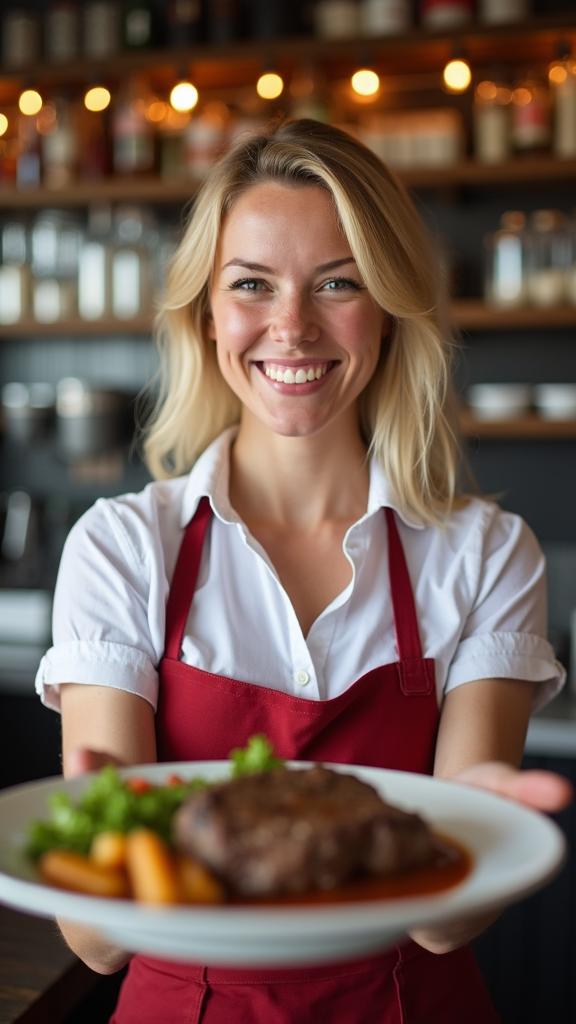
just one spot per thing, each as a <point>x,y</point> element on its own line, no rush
<point>515,851</point>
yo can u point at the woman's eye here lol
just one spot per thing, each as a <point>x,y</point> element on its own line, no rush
<point>248,284</point>
<point>341,284</point>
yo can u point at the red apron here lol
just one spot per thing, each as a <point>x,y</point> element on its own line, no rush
<point>388,718</point>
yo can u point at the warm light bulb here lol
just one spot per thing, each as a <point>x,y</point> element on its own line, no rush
<point>269,86</point>
<point>184,96</point>
<point>457,75</point>
<point>30,102</point>
<point>557,73</point>
<point>3,123</point>
<point>365,82</point>
<point>97,98</point>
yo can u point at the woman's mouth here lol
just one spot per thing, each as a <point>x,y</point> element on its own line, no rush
<point>302,374</point>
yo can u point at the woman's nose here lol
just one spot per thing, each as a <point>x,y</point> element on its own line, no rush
<point>292,322</point>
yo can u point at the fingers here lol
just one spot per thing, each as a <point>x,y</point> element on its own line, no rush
<point>542,790</point>
<point>81,760</point>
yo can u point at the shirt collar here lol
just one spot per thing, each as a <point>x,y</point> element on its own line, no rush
<point>210,477</point>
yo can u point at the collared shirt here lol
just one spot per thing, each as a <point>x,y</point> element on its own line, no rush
<point>478,582</point>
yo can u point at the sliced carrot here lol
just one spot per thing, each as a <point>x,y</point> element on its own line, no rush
<point>197,883</point>
<point>109,850</point>
<point>70,870</point>
<point>151,868</point>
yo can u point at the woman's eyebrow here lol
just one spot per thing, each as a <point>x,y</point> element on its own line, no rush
<point>259,268</point>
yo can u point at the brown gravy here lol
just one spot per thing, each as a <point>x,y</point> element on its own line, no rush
<point>451,864</point>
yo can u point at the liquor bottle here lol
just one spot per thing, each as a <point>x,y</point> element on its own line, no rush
<point>445,13</point>
<point>58,126</point>
<point>28,158</point>
<point>492,122</point>
<point>62,32</point>
<point>137,25</point>
<point>132,133</point>
<point>223,20</point>
<point>530,114</point>
<point>101,28</point>
<point>385,17</point>
<point>562,75</point>
<point>184,22</point>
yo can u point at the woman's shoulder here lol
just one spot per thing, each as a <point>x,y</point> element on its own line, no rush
<point>142,522</point>
<point>482,523</point>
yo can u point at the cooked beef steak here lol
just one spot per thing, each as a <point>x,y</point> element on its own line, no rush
<point>289,831</point>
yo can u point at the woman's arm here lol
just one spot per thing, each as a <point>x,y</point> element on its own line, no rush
<point>101,724</point>
<point>484,720</point>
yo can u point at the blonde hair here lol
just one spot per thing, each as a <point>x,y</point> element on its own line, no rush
<point>407,411</point>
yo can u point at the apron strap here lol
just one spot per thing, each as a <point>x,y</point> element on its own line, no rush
<point>405,620</point>
<point>184,579</point>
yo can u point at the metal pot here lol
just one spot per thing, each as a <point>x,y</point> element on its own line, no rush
<point>89,422</point>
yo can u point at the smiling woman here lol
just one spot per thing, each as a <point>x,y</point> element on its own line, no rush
<point>304,565</point>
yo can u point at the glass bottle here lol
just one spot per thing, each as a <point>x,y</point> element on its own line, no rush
<point>530,114</point>
<point>223,21</point>
<point>132,132</point>
<point>184,22</point>
<point>206,139</point>
<point>571,264</point>
<point>137,25</point>
<point>62,32</point>
<point>492,122</point>
<point>101,28</point>
<point>94,264</point>
<point>562,75</point>
<point>55,244</point>
<point>336,19</point>
<point>548,258</point>
<point>445,13</point>
<point>130,263</point>
<point>28,158</point>
<point>505,278</point>
<point>20,38</point>
<point>57,124</point>
<point>385,17</point>
<point>502,12</point>
<point>14,273</point>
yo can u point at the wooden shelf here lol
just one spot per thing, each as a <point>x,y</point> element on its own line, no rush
<point>226,65</point>
<point>530,427</point>
<point>76,327</point>
<point>152,189</point>
<point>474,315</point>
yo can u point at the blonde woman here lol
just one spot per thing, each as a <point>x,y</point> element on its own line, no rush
<point>304,564</point>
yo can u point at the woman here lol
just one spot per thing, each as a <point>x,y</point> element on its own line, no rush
<point>316,575</point>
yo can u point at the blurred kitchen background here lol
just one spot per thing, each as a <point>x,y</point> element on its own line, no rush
<point>111,113</point>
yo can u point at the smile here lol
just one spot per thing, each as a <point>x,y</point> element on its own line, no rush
<point>296,375</point>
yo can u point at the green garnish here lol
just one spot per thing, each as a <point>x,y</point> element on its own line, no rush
<point>257,756</point>
<point>113,804</point>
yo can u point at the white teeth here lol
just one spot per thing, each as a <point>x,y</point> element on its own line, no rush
<point>301,376</point>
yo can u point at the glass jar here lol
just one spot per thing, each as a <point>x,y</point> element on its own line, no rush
<point>530,114</point>
<point>492,122</point>
<point>548,258</point>
<point>505,278</point>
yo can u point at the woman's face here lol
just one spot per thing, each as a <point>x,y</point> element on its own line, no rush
<point>297,334</point>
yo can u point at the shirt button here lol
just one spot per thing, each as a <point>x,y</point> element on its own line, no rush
<point>301,677</point>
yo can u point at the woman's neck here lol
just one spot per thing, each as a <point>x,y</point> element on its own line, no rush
<point>299,482</point>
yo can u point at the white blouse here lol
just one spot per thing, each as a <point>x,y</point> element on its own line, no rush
<point>479,586</point>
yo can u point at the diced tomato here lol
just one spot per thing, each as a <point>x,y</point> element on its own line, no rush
<point>138,785</point>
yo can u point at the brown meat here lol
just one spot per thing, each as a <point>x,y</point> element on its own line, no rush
<point>289,831</point>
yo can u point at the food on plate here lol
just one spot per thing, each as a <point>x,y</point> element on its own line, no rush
<point>268,832</point>
<point>294,831</point>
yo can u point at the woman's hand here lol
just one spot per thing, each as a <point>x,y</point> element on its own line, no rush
<point>541,790</point>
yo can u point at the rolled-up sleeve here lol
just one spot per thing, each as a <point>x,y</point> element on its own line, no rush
<point>101,616</point>
<point>505,629</point>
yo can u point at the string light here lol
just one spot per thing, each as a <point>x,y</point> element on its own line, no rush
<point>184,96</point>
<point>30,102</point>
<point>457,75</point>
<point>269,85</point>
<point>97,98</point>
<point>365,82</point>
<point>3,123</point>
